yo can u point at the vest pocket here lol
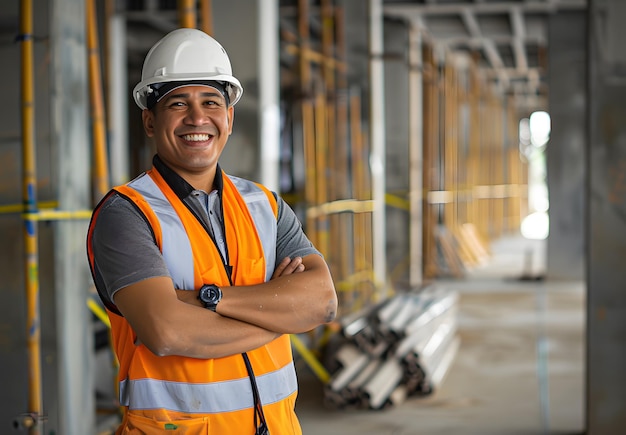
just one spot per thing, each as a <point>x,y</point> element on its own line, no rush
<point>250,271</point>
<point>135,424</point>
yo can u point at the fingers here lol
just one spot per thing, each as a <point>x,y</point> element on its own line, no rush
<point>293,266</point>
<point>280,267</point>
<point>288,266</point>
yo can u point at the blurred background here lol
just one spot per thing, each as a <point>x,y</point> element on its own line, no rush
<point>460,163</point>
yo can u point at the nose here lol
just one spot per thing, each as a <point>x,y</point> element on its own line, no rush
<point>195,115</point>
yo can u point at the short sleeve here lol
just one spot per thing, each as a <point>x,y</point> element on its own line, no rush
<point>124,248</point>
<point>291,240</point>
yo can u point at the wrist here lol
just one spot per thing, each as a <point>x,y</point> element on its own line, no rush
<point>210,295</point>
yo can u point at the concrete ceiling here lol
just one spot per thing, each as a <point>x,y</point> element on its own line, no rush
<point>507,37</point>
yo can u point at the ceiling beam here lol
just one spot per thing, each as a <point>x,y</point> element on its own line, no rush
<point>409,10</point>
<point>489,47</point>
<point>498,39</point>
<point>519,34</point>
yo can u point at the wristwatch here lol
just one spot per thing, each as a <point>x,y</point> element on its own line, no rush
<point>210,295</point>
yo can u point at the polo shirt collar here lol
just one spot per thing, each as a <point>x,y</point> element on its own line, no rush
<point>178,183</point>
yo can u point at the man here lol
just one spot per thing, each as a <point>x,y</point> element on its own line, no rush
<point>203,274</point>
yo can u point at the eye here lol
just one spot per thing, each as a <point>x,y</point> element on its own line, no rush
<point>212,102</point>
<point>175,104</point>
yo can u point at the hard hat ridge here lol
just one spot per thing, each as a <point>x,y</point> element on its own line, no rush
<point>186,55</point>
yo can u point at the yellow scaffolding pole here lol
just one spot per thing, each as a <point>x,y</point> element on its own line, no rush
<point>101,171</point>
<point>187,13</point>
<point>29,190</point>
<point>310,359</point>
<point>206,16</point>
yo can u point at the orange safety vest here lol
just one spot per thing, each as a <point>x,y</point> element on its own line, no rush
<point>176,394</point>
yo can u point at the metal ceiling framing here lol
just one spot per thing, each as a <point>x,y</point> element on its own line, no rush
<point>507,37</point>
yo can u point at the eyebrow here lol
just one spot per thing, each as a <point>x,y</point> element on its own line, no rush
<point>187,95</point>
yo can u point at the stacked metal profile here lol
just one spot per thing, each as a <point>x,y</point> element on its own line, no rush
<point>399,348</point>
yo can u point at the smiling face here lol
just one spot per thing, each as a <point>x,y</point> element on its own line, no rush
<point>190,127</point>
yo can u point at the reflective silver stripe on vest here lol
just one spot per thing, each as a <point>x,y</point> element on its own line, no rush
<point>264,219</point>
<point>176,247</point>
<point>216,397</point>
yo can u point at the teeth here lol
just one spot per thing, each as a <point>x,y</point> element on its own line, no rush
<point>196,137</point>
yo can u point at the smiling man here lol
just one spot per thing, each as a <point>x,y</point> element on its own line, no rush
<point>203,274</point>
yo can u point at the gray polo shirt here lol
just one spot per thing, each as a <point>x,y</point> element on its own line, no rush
<point>125,251</point>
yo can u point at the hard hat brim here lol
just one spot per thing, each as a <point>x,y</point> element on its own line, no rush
<point>140,92</point>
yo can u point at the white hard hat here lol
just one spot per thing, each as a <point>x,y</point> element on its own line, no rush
<point>186,55</point>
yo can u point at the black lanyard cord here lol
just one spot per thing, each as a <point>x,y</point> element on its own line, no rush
<point>259,417</point>
<point>260,424</point>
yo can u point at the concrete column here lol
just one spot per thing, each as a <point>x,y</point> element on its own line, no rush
<point>566,147</point>
<point>269,93</point>
<point>118,100</point>
<point>249,33</point>
<point>606,225</point>
<point>69,125</point>
<point>397,153</point>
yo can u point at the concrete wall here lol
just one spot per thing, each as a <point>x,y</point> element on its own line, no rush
<point>566,149</point>
<point>606,226</point>
<point>397,145</point>
<point>235,25</point>
<point>70,137</point>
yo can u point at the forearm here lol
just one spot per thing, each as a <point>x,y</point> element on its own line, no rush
<point>171,323</point>
<point>291,303</point>
<point>206,334</point>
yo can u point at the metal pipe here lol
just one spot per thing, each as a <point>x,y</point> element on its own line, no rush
<point>101,169</point>
<point>377,129</point>
<point>390,309</point>
<point>349,371</point>
<point>346,353</point>
<point>445,361</point>
<point>353,389</point>
<point>416,156</point>
<point>29,190</point>
<point>436,307</point>
<point>378,389</point>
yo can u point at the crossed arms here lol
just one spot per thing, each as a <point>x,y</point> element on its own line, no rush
<point>299,297</point>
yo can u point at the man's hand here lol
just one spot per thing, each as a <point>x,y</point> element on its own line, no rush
<point>299,296</point>
<point>288,266</point>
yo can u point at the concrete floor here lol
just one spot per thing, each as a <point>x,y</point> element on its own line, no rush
<point>519,369</point>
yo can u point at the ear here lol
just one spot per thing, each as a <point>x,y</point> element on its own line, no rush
<point>147,117</point>
<point>231,118</point>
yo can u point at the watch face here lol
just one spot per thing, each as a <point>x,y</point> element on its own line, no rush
<point>210,294</point>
